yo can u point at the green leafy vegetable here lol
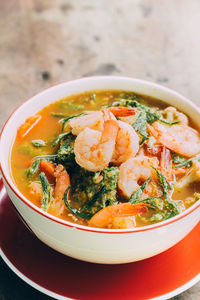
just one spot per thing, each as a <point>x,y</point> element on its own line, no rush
<point>65,153</point>
<point>85,185</point>
<point>178,159</point>
<point>60,137</point>
<point>151,114</point>
<point>46,191</point>
<point>74,210</point>
<point>140,125</point>
<point>187,162</point>
<point>35,165</point>
<point>156,217</point>
<point>138,193</point>
<point>166,185</point>
<point>153,202</point>
<point>38,143</point>
<point>64,121</point>
<point>94,199</point>
<point>34,168</point>
<point>58,115</point>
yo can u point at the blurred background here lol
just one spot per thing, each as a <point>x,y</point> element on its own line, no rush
<point>45,42</point>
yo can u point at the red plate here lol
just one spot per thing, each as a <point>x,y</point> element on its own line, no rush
<point>164,275</point>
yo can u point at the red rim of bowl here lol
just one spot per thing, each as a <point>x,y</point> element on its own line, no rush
<point>87,228</point>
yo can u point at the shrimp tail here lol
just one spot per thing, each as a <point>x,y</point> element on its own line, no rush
<point>122,111</point>
<point>105,216</point>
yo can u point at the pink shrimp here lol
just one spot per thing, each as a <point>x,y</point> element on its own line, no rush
<point>120,215</point>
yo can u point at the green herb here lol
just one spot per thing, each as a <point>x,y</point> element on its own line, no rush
<point>187,162</point>
<point>85,185</point>
<point>153,202</point>
<point>170,214</point>
<point>93,97</point>
<point>38,143</point>
<point>49,157</point>
<point>35,165</point>
<point>178,159</point>
<point>110,177</point>
<point>140,125</point>
<point>166,185</point>
<point>65,153</point>
<point>58,115</point>
<point>60,137</point>
<point>138,193</point>
<point>46,191</point>
<point>74,210</point>
<point>94,199</point>
<point>64,121</point>
<point>151,115</point>
<point>156,217</point>
<point>34,168</point>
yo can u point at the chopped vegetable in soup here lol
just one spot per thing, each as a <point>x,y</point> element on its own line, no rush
<point>108,159</point>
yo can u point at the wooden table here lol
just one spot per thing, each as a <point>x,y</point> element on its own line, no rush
<point>45,42</point>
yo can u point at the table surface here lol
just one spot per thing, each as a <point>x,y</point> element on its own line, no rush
<point>47,42</point>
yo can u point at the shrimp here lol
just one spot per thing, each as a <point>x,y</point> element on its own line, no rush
<point>166,163</point>
<point>181,139</point>
<point>93,149</point>
<point>120,111</point>
<point>127,143</point>
<point>136,170</point>
<point>117,216</point>
<point>95,119</point>
<point>62,183</point>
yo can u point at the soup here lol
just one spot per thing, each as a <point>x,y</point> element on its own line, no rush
<point>109,159</point>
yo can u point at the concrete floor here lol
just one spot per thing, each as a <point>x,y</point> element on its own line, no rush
<point>46,42</point>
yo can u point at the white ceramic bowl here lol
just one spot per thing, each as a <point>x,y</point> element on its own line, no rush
<point>86,243</point>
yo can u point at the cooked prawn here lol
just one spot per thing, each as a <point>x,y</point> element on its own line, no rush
<point>136,170</point>
<point>95,119</point>
<point>117,216</point>
<point>94,149</point>
<point>181,139</point>
<point>127,143</point>
<point>120,111</point>
<point>62,183</point>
